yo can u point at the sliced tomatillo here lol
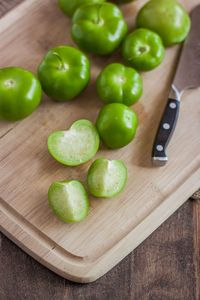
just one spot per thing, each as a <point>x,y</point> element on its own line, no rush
<point>119,84</point>
<point>143,50</point>
<point>69,200</point>
<point>76,145</point>
<point>106,178</point>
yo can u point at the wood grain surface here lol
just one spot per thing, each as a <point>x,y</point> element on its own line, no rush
<point>6,5</point>
<point>164,267</point>
<point>85,251</point>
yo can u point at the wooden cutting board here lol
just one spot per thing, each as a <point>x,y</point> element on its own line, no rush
<point>85,251</point>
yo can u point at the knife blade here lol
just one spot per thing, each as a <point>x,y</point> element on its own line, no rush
<point>187,76</point>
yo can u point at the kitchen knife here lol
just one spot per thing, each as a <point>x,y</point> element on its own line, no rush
<point>187,76</point>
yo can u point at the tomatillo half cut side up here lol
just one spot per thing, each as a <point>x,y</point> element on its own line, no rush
<point>143,50</point>
<point>117,125</point>
<point>106,178</point>
<point>20,93</point>
<point>119,84</point>
<point>64,73</point>
<point>69,7</point>
<point>166,17</point>
<point>69,200</point>
<point>98,28</point>
<point>75,146</point>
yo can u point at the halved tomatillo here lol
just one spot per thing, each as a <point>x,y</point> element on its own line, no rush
<point>69,200</point>
<point>106,178</point>
<point>76,145</point>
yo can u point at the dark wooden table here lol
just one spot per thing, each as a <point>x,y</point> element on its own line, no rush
<point>165,267</point>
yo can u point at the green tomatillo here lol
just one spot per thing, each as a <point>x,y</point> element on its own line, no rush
<point>64,73</point>
<point>143,49</point>
<point>98,28</point>
<point>166,17</point>
<point>20,93</point>
<point>69,7</point>
<point>106,178</point>
<point>69,200</point>
<point>119,84</point>
<point>117,125</point>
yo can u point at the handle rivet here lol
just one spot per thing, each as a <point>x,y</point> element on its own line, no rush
<point>172,105</point>
<point>159,148</point>
<point>166,126</point>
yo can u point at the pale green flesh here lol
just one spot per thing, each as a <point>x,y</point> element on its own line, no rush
<point>107,178</point>
<point>75,146</point>
<point>69,200</point>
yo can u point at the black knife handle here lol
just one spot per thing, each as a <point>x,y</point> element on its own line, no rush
<point>165,131</point>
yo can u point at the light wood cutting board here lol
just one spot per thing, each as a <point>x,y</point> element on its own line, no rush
<point>85,251</point>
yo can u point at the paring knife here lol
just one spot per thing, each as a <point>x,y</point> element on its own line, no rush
<point>187,76</point>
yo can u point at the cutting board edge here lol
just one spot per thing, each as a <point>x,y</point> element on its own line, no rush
<point>89,272</point>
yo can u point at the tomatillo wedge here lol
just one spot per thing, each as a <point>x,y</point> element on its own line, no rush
<point>20,93</point>
<point>106,178</point>
<point>69,7</point>
<point>119,84</point>
<point>69,200</point>
<point>98,28</point>
<point>143,50</point>
<point>117,125</point>
<point>64,73</point>
<point>76,145</point>
<point>166,17</point>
